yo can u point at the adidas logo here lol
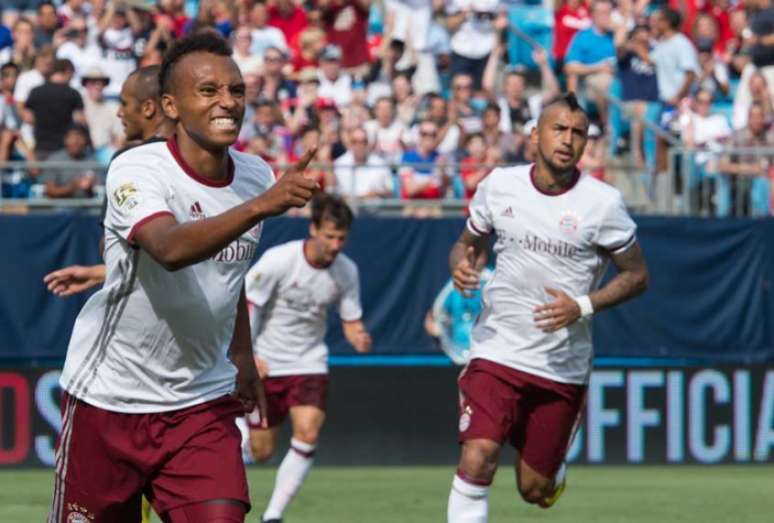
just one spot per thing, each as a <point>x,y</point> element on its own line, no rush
<point>507,213</point>
<point>196,212</point>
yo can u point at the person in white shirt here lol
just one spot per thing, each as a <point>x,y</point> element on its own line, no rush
<point>386,131</point>
<point>291,288</point>
<point>334,83</point>
<point>264,35</point>
<point>160,360</point>
<point>360,173</point>
<point>531,346</point>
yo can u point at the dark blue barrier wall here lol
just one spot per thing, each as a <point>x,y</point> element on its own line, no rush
<point>710,296</point>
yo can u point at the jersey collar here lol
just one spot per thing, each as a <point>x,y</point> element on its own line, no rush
<point>190,171</point>
<point>573,182</point>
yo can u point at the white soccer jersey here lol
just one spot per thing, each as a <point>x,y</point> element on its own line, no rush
<point>560,241</point>
<point>294,298</point>
<point>152,340</point>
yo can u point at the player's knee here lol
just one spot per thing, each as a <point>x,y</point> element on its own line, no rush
<point>534,490</point>
<point>308,435</point>
<point>261,452</point>
<point>479,460</point>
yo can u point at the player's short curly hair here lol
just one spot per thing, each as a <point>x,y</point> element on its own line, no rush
<point>199,42</point>
<point>327,207</point>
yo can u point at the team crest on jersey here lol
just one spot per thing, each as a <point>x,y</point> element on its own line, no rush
<point>196,212</point>
<point>79,514</point>
<point>126,196</point>
<point>568,223</point>
<point>465,418</point>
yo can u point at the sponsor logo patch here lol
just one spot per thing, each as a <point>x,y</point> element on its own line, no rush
<point>126,196</point>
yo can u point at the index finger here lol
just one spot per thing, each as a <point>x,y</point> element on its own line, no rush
<point>303,162</point>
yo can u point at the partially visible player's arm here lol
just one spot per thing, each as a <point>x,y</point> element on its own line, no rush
<point>467,259</point>
<point>74,279</point>
<point>249,387</point>
<point>631,281</point>
<point>177,245</point>
<point>357,335</point>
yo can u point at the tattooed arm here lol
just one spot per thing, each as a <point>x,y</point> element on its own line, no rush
<point>631,280</point>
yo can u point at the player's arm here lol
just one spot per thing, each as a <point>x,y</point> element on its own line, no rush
<point>177,245</point>
<point>467,259</point>
<point>357,335</point>
<point>249,387</point>
<point>631,281</point>
<point>74,279</point>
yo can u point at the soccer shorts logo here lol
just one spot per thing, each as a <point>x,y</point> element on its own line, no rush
<point>465,419</point>
<point>79,514</point>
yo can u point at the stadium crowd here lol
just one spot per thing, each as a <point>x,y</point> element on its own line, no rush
<point>411,99</point>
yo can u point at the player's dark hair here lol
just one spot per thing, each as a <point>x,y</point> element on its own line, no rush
<point>327,207</point>
<point>672,16</point>
<point>203,42</point>
<point>147,83</point>
<point>567,99</point>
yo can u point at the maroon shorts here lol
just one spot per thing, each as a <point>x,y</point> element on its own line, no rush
<point>106,460</point>
<point>283,392</point>
<point>537,415</point>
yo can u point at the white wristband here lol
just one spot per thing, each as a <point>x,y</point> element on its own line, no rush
<point>586,308</point>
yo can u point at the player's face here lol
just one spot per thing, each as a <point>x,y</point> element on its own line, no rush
<point>561,137</point>
<point>207,99</point>
<point>328,239</point>
<point>129,111</point>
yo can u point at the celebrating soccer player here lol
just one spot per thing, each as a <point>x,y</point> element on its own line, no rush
<point>290,289</point>
<point>531,347</point>
<point>150,396</point>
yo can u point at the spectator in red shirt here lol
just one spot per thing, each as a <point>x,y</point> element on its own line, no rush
<point>570,17</point>
<point>174,13</point>
<point>474,167</point>
<point>311,42</point>
<point>346,22</point>
<point>288,18</point>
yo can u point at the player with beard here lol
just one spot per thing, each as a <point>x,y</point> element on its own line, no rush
<point>160,361</point>
<point>531,347</point>
<point>144,122</point>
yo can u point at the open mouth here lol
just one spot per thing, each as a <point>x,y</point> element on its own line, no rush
<point>225,123</point>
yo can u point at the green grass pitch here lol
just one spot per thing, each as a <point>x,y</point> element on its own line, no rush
<point>418,495</point>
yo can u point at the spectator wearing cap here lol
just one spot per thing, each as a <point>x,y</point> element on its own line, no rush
<point>53,107</point>
<point>345,23</point>
<point>334,82</point>
<point>46,24</point>
<point>247,61</point>
<point>474,26</point>
<point>713,72</point>
<point>70,182</point>
<point>674,57</point>
<point>590,59</point>
<point>385,131</point>
<point>276,85</point>
<point>262,34</point>
<point>516,108</point>
<point>421,175</point>
<point>105,127</point>
<point>289,18</point>
<point>760,93</point>
<point>77,48</point>
<point>747,176</point>
<point>360,173</point>
<point>639,85</point>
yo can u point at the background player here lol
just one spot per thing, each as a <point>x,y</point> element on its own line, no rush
<point>531,347</point>
<point>290,289</point>
<point>151,362</point>
<point>144,122</point>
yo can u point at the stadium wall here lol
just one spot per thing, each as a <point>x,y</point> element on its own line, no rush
<point>408,415</point>
<point>710,300</point>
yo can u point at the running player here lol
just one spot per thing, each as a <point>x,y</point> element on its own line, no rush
<point>144,122</point>
<point>151,365</point>
<point>531,347</point>
<point>291,289</point>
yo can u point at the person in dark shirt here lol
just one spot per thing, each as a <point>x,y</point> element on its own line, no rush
<point>54,106</point>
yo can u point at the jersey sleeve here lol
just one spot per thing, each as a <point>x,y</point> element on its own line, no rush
<point>480,221</point>
<point>135,196</point>
<point>617,231</point>
<point>349,305</point>
<point>262,279</point>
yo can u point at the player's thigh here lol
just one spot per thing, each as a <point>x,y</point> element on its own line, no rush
<point>213,511</point>
<point>98,470</point>
<point>263,442</point>
<point>307,421</point>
